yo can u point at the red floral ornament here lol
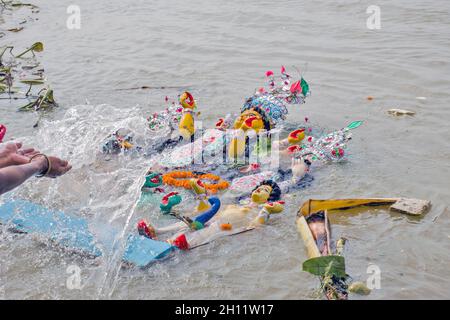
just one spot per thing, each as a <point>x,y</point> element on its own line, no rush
<point>296,87</point>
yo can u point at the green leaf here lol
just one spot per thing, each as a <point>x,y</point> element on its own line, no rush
<point>325,266</point>
<point>49,97</point>
<point>32,81</point>
<point>28,107</point>
<point>37,47</point>
<point>355,124</point>
<point>20,4</point>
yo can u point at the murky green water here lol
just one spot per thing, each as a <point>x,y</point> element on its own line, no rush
<point>220,51</point>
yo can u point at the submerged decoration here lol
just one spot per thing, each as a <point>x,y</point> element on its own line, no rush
<point>267,108</point>
<point>201,192</point>
<point>169,201</point>
<point>165,119</point>
<point>235,219</point>
<point>176,116</point>
<point>152,180</point>
<point>120,140</point>
<point>182,179</point>
<point>272,103</point>
<point>186,126</point>
<point>261,187</point>
<point>315,230</point>
<point>330,147</point>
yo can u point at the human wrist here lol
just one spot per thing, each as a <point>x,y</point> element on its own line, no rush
<point>40,163</point>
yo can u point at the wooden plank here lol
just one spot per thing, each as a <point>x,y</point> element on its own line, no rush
<point>411,206</point>
<point>311,247</point>
<point>408,206</point>
<point>73,232</point>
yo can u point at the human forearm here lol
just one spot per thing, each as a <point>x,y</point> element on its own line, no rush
<point>11,177</point>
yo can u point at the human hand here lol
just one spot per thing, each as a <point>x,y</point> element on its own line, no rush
<point>299,169</point>
<point>57,166</point>
<point>13,154</point>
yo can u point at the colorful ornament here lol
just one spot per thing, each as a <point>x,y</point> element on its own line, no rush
<point>293,149</point>
<point>146,229</point>
<point>273,102</point>
<point>186,126</point>
<point>152,180</point>
<point>118,141</point>
<point>329,147</point>
<point>226,227</point>
<point>199,189</point>
<point>247,183</point>
<point>180,242</point>
<point>338,153</point>
<point>196,225</point>
<point>165,119</point>
<point>169,201</point>
<point>296,136</point>
<point>354,124</point>
<point>182,179</point>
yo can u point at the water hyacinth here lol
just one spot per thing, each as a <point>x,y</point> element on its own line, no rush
<point>43,100</point>
<point>36,47</point>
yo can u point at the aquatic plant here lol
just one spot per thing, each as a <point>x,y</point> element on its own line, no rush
<point>36,47</point>
<point>31,83</point>
<point>6,80</point>
<point>44,101</point>
<point>16,4</point>
<point>4,49</point>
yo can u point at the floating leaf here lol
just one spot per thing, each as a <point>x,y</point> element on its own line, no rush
<point>36,47</point>
<point>44,101</point>
<point>33,82</point>
<point>15,29</point>
<point>50,98</point>
<point>355,124</point>
<point>400,112</point>
<point>30,67</point>
<point>20,4</point>
<point>325,266</point>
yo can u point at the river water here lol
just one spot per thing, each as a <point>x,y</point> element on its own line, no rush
<point>219,51</point>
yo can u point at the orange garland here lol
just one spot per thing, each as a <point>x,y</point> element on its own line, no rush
<point>181,179</point>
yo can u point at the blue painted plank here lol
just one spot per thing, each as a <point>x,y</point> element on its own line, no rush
<point>73,232</point>
<point>141,251</point>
